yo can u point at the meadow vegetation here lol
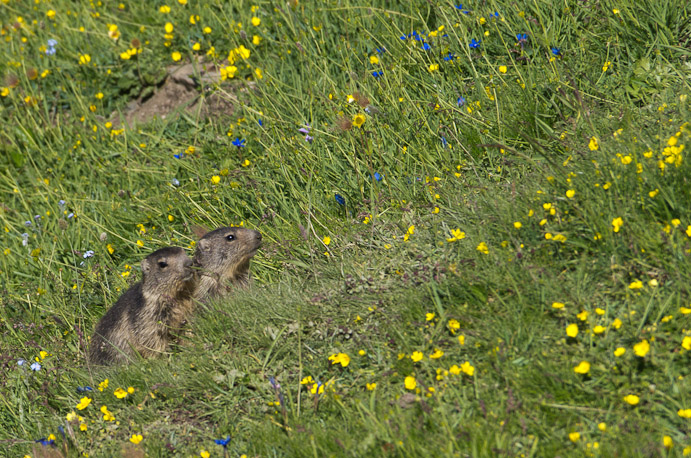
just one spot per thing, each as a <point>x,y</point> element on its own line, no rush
<point>476,226</point>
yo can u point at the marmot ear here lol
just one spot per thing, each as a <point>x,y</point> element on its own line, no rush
<point>204,245</point>
<point>199,230</point>
<point>146,266</point>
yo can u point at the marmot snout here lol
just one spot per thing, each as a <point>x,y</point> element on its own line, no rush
<point>223,258</point>
<point>146,317</point>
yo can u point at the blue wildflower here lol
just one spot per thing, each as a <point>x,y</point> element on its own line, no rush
<point>521,38</point>
<point>82,389</point>
<point>378,176</point>
<point>51,47</point>
<point>444,143</point>
<point>426,47</point>
<point>36,366</point>
<point>21,362</point>
<point>61,203</point>
<point>474,43</point>
<point>449,57</point>
<point>556,51</point>
<point>260,122</point>
<point>495,14</point>
<point>381,50</point>
<point>239,143</point>
<point>71,215</point>
<point>306,132</point>
<point>377,74</point>
<point>175,182</point>
<point>339,199</point>
<point>460,7</point>
<point>274,384</point>
<point>277,388</point>
<point>178,156</point>
<point>27,223</point>
<point>460,101</point>
<point>223,442</point>
<point>44,441</point>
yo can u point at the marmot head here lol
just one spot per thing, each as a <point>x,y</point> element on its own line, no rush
<point>226,252</point>
<point>167,271</point>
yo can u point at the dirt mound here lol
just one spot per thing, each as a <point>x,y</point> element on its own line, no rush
<point>188,88</point>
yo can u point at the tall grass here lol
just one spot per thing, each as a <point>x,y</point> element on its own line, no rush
<point>481,249</point>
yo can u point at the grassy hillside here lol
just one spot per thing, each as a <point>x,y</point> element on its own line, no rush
<point>476,221</point>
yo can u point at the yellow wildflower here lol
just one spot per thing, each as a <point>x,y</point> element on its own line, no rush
<point>617,223</point>
<point>453,326</point>
<point>437,354</point>
<point>482,248</point>
<point>83,403</point>
<point>593,144</point>
<point>417,356</point>
<point>456,234</point>
<point>582,368</point>
<point>467,369</point>
<point>120,393</point>
<point>572,330</point>
<point>340,358</point>
<point>632,399</point>
<point>641,348</point>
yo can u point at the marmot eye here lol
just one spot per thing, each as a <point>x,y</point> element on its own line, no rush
<point>230,237</point>
<point>162,264</point>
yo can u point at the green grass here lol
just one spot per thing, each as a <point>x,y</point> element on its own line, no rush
<point>464,139</point>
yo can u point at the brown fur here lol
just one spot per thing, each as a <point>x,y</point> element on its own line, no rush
<point>223,259</point>
<point>147,316</point>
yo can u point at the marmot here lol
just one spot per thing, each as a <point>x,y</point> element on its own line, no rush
<point>223,258</point>
<point>146,317</point>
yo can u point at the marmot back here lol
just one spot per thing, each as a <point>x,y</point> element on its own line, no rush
<point>146,316</point>
<point>223,258</point>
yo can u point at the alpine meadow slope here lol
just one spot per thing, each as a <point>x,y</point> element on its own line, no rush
<point>475,219</point>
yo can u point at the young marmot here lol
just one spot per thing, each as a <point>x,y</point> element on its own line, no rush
<point>223,259</point>
<point>146,317</point>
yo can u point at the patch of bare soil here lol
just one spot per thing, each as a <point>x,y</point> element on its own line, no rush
<point>186,89</point>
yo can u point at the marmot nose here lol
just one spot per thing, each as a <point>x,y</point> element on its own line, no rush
<point>187,263</point>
